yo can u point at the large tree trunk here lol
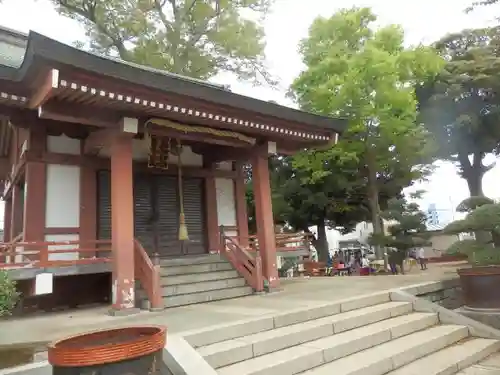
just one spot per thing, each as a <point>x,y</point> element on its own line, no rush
<point>374,202</point>
<point>473,173</point>
<point>322,241</point>
<point>475,183</point>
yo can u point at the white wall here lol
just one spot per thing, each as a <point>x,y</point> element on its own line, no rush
<point>62,206</point>
<point>60,238</point>
<point>226,204</point>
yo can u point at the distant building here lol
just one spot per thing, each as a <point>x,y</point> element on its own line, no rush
<point>432,215</point>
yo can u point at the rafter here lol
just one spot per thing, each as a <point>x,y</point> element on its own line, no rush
<point>55,110</point>
<point>45,90</point>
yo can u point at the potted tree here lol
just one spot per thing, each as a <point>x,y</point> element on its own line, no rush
<point>480,279</point>
<point>406,230</point>
<point>8,294</point>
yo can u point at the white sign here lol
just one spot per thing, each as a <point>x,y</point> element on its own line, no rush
<point>44,283</point>
<point>271,148</point>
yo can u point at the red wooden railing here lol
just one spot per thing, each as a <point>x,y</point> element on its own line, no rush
<point>43,254</point>
<point>149,275</point>
<point>286,242</point>
<point>249,266</point>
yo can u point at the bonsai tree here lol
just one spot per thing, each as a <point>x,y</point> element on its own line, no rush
<point>408,229</point>
<point>8,294</point>
<point>483,218</point>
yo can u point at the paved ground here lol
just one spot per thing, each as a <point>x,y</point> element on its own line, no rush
<point>490,366</point>
<point>298,292</point>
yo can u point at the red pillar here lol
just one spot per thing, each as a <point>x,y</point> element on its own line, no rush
<point>34,203</point>
<point>16,219</point>
<point>7,220</point>
<point>264,217</point>
<point>241,205</point>
<point>211,211</point>
<point>88,207</point>
<point>122,225</point>
<point>35,194</point>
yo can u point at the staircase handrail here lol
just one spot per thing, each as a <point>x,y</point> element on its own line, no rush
<point>148,274</point>
<point>247,265</point>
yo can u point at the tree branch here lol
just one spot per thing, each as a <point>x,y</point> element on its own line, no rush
<point>88,11</point>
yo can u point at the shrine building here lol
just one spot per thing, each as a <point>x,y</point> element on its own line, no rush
<point>112,168</point>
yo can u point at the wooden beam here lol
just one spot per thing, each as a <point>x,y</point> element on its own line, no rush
<point>104,163</point>
<point>5,167</point>
<point>98,140</point>
<point>18,172</point>
<point>45,90</point>
<point>55,110</point>
<point>68,159</point>
<point>198,137</point>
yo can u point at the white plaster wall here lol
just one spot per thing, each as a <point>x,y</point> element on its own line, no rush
<point>62,208</point>
<point>140,152</point>
<point>60,238</point>
<point>226,204</point>
<point>225,165</point>
<point>63,145</point>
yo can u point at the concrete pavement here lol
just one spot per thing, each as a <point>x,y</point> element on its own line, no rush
<point>297,292</point>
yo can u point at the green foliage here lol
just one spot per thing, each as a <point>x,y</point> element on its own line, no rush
<point>408,227</point>
<point>8,294</point>
<point>467,247</point>
<point>484,218</point>
<point>484,250</point>
<point>337,202</point>
<point>471,203</point>
<point>196,38</point>
<point>367,76</point>
<point>460,106</point>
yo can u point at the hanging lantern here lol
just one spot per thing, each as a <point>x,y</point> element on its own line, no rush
<point>159,151</point>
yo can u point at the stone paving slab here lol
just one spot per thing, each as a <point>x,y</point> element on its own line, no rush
<point>489,366</point>
<point>295,293</point>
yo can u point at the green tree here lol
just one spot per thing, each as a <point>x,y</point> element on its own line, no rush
<point>338,201</point>
<point>368,77</point>
<point>8,294</point>
<point>461,107</point>
<point>483,217</point>
<point>196,38</point>
<point>408,229</point>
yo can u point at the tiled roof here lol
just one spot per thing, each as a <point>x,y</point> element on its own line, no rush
<point>10,54</point>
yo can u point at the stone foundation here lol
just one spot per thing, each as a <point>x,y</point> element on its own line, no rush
<point>446,293</point>
<point>490,317</point>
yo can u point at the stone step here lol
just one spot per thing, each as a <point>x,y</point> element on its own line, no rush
<point>452,359</point>
<point>192,259</point>
<point>174,290</point>
<point>383,358</point>
<point>303,357</point>
<point>236,350</point>
<point>198,277</point>
<point>195,268</point>
<point>223,332</point>
<point>207,296</point>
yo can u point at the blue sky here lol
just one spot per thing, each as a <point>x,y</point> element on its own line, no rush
<point>423,21</point>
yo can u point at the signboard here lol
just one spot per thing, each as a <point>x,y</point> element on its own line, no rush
<point>44,283</point>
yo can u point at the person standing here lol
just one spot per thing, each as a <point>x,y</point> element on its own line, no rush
<point>421,258</point>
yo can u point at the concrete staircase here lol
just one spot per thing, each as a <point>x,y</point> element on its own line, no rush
<point>371,335</point>
<point>197,279</point>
